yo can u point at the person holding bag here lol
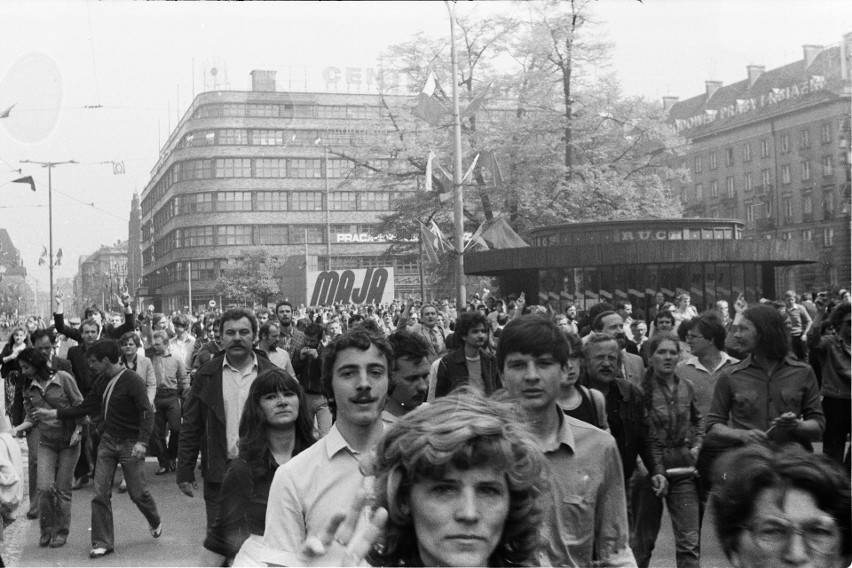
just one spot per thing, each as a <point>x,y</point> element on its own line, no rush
<point>59,444</point>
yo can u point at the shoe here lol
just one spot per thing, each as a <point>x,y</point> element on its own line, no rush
<point>58,540</point>
<point>100,551</point>
<point>44,540</point>
<point>173,465</point>
<point>32,515</point>
<point>80,482</point>
<point>156,531</point>
<point>163,470</point>
<point>122,487</point>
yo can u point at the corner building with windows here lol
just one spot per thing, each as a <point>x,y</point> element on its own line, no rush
<point>263,169</point>
<point>774,151</point>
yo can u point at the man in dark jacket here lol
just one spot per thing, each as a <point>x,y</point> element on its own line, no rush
<point>471,364</point>
<point>213,408</point>
<point>105,329</point>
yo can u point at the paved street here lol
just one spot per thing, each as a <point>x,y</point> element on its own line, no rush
<point>183,530</point>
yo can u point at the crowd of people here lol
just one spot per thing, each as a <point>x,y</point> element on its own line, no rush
<point>419,434</point>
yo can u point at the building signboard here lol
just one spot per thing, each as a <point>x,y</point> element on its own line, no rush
<point>356,286</point>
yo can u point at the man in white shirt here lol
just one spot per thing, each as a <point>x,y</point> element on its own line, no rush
<point>308,490</point>
<point>182,345</point>
<point>269,335</point>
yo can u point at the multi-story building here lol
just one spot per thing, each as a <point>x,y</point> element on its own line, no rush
<point>101,276</point>
<point>263,168</point>
<point>773,150</point>
<point>17,289</point>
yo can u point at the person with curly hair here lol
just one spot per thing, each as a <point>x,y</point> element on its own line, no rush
<point>274,427</point>
<point>788,508</point>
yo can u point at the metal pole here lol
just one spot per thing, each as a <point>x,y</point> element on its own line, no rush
<point>420,267</point>
<point>306,269</point>
<point>327,216</point>
<point>50,228</point>
<point>189,282</point>
<point>458,209</point>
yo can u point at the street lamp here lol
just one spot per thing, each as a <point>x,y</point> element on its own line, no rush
<point>50,166</point>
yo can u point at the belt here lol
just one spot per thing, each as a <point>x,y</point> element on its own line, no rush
<point>165,390</point>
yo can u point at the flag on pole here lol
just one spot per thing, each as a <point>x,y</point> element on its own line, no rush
<point>476,239</point>
<point>428,107</point>
<point>470,169</point>
<point>428,241</point>
<point>5,113</point>
<point>26,179</point>
<point>476,103</point>
<point>441,244</point>
<point>43,258</point>
<point>427,185</point>
<point>58,258</point>
<point>489,161</point>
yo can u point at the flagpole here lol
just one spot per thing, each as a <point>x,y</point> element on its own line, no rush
<point>49,166</point>
<point>458,209</point>
<point>420,266</point>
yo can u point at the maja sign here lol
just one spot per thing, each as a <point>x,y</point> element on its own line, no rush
<point>356,286</point>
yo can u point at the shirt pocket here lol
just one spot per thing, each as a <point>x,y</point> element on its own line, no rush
<point>745,403</point>
<point>792,399</point>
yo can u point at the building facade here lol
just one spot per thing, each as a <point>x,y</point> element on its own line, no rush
<point>582,264</point>
<point>134,247</point>
<point>18,291</point>
<point>774,151</point>
<point>265,169</point>
<point>100,276</point>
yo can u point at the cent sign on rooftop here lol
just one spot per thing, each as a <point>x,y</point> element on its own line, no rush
<point>357,286</point>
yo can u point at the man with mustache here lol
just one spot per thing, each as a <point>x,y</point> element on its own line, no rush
<point>308,490</point>
<point>585,512</point>
<point>471,364</point>
<point>626,412</point>
<point>409,378</point>
<point>291,340</point>
<point>611,324</point>
<point>214,405</point>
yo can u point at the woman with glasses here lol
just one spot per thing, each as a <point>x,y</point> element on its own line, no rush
<point>785,509</point>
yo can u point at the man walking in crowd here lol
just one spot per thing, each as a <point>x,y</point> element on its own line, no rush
<point>800,324</point>
<point>120,397</point>
<point>308,370</point>
<point>309,489</point>
<point>269,335</point>
<point>706,338</point>
<point>291,339</point>
<point>611,324</point>
<point>586,517</point>
<point>182,345</point>
<point>833,354</point>
<point>471,364</point>
<point>214,406</point>
<point>627,414</point>
<point>409,377</point>
<point>428,328</point>
<point>172,387</point>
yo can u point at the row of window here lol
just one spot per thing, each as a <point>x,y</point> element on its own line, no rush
<point>278,137</point>
<point>808,235</point>
<point>764,146</point>
<point>269,168</point>
<point>287,110</point>
<point>805,173</point>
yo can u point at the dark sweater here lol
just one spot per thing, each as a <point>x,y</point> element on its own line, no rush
<point>130,414</point>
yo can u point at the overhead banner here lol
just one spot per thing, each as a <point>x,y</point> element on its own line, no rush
<point>356,286</point>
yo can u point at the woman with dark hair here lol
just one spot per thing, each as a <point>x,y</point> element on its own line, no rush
<point>672,407</point>
<point>59,442</point>
<point>274,427</point>
<point>790,508</point>
<point>19,340</point>
<point>769,396</point>
<point>458,482</point>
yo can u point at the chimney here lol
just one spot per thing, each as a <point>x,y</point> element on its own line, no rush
<point>263,81</point>
<point>811,51</point>
<point>754,71</point>
<point>712,87</point>
<point>669,102</point>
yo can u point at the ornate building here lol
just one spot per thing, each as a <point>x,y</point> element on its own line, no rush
<point>774,151</point>
<point>101,276</point>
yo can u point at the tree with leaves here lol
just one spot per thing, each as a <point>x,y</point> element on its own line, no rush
<point>250,278</point>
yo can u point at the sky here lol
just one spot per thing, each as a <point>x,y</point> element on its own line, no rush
<point>103,83</point>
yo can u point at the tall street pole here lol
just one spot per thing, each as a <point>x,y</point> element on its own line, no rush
<point>458,209</point>
<point>327,215</point>
<point>49,166</point>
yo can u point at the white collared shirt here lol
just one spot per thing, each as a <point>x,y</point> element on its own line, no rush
<point>235,388</point>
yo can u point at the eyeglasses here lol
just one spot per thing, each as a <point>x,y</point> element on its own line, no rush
<point>693,337</point>
<point>773,533</point>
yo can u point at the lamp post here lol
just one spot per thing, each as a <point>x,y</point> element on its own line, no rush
<point>49,166</point>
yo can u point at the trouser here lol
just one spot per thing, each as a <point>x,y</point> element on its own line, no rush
<point>318,406</point>
<point>84,463</point>
<point>797,342</point>
<point>682,502</point>
<point>706,459</point>
<point>838,423</point>
<point>56,460</point>
<point>212,500</point>
<point>167,407</point>
<point>33,437</point>
<point>111,452</point>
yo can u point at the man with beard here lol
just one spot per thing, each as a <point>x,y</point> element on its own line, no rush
<point>471,364</point>
<point>308,490</point>
<point>214,406</point>
<point>625,410</point>
<point>269,336</point>
<point>292,340</point>
<point>612,324</point>
<point>409,378</point>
